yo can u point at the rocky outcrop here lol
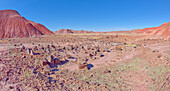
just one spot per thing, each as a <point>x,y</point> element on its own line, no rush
<point>12,25</point>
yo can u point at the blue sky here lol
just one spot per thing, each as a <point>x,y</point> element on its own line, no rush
<point>95,15</point>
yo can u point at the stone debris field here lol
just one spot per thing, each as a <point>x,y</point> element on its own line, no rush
<point>68,62</point>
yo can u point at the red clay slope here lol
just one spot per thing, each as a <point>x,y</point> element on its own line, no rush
<point>65,31</point>
<point>12,25</point>
<point>162,31</point>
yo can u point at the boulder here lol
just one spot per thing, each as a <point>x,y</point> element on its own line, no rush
<point>82,64</point>
<point>68,56</point>
<point>35,48</point>
<point>119,48</point>
<point>50,59</point>
<point>48,50</point>
<point>91,55</point>
<point>48,46</point>
<point>44,62</point>
<point>53,46</point>
<point>107,71</point>
<point>47,67</point>
<point>22,48</point>
<point>40,76</point>
<point>56,61</point>
<point>30,51</point>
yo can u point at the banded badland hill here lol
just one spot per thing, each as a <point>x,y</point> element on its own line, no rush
<point>12,24</point>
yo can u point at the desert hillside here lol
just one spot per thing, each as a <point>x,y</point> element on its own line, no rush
<point>12,24</point>
<point>162,31</point>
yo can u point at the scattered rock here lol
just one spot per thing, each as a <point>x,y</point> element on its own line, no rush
<point>40,76</point>
<point>57,61</point>
<point>47,68</point>
<point>44,62</point>
<point>68,56</point>
<point>107,71</point>
<point>91,55</point>
<point>82,65</point>
<point>159,56</point>
<point>101,55</point>
<point>118,48</point>
<point>30,51</point>
<point>50,59</point>
<point>11,87</point>
<point>35,48</point>
<point>22,48</point>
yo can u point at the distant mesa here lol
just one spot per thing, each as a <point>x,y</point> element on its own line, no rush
<point>162,31</point>
<point>13,25</point>
<point>66,31</point>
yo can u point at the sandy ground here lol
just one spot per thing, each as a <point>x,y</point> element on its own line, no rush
<point>145,51</point>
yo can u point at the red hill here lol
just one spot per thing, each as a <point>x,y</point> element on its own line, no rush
<point>162,31</point>
<point>12,24</point>
<point>65,31</point>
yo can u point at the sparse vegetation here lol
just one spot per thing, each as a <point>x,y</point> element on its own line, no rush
<point>121,66</point>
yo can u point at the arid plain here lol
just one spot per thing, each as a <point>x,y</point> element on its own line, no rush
<point>85,62</point>
<point>33,58</point>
